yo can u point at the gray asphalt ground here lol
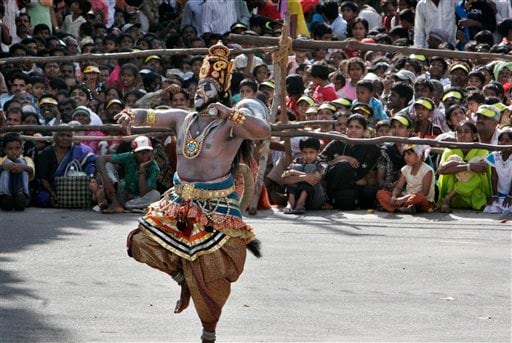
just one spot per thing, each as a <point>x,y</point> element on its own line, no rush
<point>325,276</point>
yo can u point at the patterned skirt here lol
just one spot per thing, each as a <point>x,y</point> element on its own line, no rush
<point>191,228</point>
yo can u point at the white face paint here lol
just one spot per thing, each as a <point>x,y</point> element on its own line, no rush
<point>206,94</point>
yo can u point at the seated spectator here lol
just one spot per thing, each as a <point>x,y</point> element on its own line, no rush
<point>53,162</point>
<point>465,178</point>
<point>82,115</point>
<point>349,177</point>
<point>501,169</point>
<point>16,171</point>
<point>303,179</point>
<point>424,108</point>
<point>138,187</point>
<point>391,162</point>
<point>418,179</point>
<point>455,114</point>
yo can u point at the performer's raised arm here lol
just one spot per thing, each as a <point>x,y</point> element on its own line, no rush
<point>148,117</point>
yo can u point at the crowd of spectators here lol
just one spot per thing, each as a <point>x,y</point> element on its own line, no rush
<point>368,93</point>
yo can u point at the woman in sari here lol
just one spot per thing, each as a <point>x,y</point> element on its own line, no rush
<point>54,161</point>
<point>351,177</point>
<point>465,177</point>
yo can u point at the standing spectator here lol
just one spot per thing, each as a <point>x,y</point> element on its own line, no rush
<point>73,21</point>
<point>480,16</point>
<point>329,10</point>
<point>218,16</point>
<point>192,15</point>
<point>433,14</point>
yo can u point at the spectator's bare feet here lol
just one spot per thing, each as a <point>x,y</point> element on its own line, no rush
<point>327,206</point>
<point>100,198</point>
<point>114,208</point>
<point>445,207</point>
<point>93,187</point>
<point>184,300</point>
<point>288,210</point>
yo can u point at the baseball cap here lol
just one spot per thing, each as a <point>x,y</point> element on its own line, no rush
<point>342,102</point>
<point>269,84</point>
<point>114,101</point>
<point>28,109</point>
<point>126,27</point>
<point>152,57</point>
<point>452,94</point>
<point>48,100</point>
<point>327,106</point>
<point>81,109</point>
<point>489,111</point>
<point>91,69</point>
<point>402,120</point>
<point>418,149</point>
<point>363,109</point>
<point>425,102</point>
<point>406,75</point>
<point>307,99</point>
<point>459,66</point>
<point>141,143</point>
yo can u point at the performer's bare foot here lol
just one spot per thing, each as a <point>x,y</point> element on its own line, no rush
<point>184,300</point>
<point>114,208</point>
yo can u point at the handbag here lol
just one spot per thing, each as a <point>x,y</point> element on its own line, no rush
<point>72,189</point>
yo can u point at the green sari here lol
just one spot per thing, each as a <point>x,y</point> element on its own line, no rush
<point>472,193</point>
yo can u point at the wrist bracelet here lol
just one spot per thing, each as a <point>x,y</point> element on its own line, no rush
<point>237,117</point>
<point>150,117</point>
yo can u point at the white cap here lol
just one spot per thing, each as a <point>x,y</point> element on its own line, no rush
<point>141,143</point>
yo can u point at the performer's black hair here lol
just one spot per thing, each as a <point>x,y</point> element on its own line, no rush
<point>244,153</point>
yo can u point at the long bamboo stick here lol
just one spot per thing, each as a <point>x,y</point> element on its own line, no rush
<point>126,55</point>
<point>299,44</point>
<point>389,139</point>
<point>73,128</point>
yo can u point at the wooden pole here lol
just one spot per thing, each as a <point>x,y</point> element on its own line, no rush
<point>110,128</point>
<point>126,55</point>
<point>300,44</point>
<point>279,99</point>
<point>389,139</point>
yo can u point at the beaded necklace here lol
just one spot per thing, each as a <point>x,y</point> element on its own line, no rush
<point>192,146</point>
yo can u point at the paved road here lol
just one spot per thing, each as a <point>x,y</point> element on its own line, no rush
<point>326,276</point>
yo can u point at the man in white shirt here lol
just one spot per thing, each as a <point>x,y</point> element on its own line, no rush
<point>434,14</point>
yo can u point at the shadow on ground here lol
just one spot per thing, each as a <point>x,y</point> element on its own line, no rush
<point>17,233</point>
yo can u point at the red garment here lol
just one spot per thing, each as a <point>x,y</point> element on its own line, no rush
<point>291,104</point>
<point>325,93</point>
<point>114,80</point>
<point>308,4</point>
<point>100,6</point>
<point>269,10</point>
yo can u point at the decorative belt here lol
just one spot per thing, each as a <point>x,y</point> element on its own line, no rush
<point>188,191</point>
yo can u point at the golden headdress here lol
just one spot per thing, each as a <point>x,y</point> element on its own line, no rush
<point>218,66</point>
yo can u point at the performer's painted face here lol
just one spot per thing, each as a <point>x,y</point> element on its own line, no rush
<point>206,94</point>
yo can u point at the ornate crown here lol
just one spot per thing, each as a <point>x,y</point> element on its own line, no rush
<point>218,66</point>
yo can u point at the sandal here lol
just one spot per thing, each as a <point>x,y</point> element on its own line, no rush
<point>300,210</point>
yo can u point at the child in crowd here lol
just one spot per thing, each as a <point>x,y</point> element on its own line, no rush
<point>382,128</point>
<point>417,178</point>
<point>303,179</point>
<point>365,95</point>
<point>501,163</point>
<point>15,173</point>
<point>324,91</point>
<point>356,70</point>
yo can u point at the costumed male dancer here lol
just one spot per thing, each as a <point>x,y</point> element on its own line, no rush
<point>195,233</point>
